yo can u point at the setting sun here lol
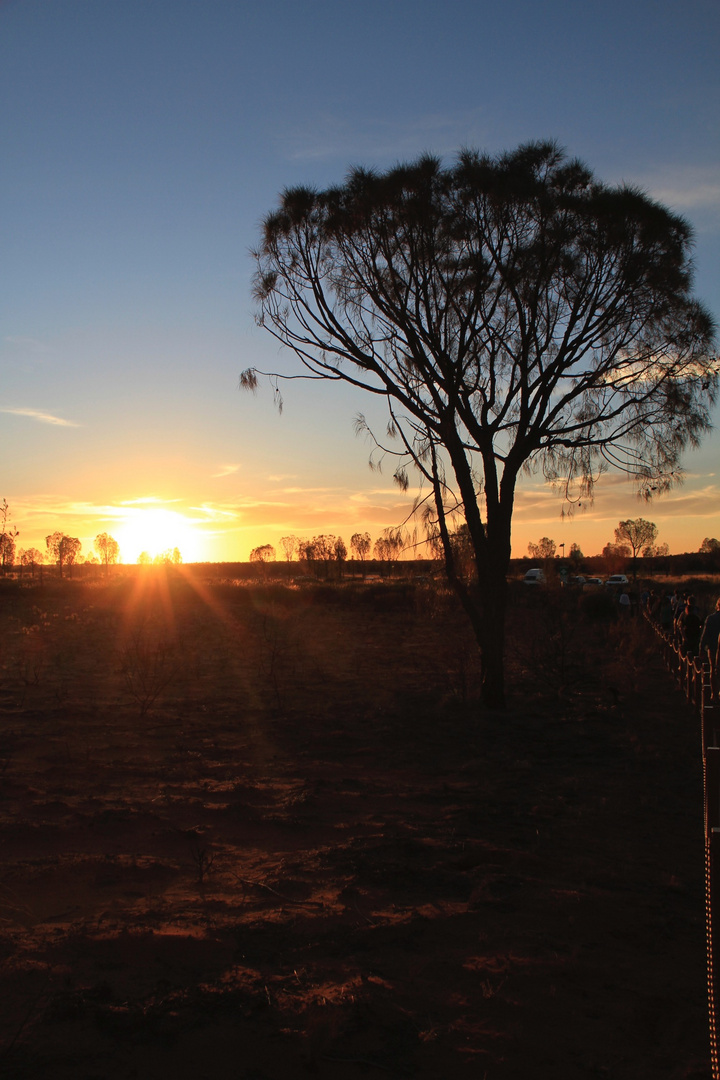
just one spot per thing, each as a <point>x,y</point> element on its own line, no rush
<point>155,531</point>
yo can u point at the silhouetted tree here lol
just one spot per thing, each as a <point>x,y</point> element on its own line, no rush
<point>306,550</point>
<point>544,549</point>
<point>576,556</point>
<point>390,545</point>
<point>31,557</point>
<point>340,550</point>
<point>515,314</point>
<point>264,553</point>
<point>360,544</point>
<point>289,545</point>
<point>7,550</point>
<point>63,549</point>
<point>169,557</point>
<point>710,546</point>
<point>8,537</point>
<point>107,548</point>
<point>616,557</point>
<point>639,535</point>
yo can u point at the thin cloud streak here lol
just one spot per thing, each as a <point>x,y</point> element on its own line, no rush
<point>331,136</point>
<point>226,470</point>
<point>41,417</point>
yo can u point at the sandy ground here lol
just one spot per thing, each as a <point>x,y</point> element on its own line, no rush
<point>260,833</point>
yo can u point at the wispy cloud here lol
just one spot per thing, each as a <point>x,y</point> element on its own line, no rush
<point>688,189</point>
<point>41,417</point>
<point>226,470</point>
<point>144,500</point>
<point>211,512</point>
<point>28,344</point>
<point>330,135</point>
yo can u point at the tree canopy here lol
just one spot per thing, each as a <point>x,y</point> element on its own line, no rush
<point>639,535</point>
<point>516,314</point>
<point>107,548</point>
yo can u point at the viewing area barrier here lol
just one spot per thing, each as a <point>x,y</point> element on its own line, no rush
<point>700,682</point>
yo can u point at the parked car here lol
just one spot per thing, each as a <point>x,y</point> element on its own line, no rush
<point>594,581</point>
<point>534,577</point>
<point>617,579</point>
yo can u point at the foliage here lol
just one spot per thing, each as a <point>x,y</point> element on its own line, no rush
<point>63,549</point>
<point>107,548</point>
<point>389,546</point>
<point>640,535</point>
<point>340,549</point>
<point>616,557</point>
<point>289,545</point>
<point>169,557</point>
<point>360,544</point>
<point>7,550</point>
<point>31,557</point>
<point>544,549</point>
<point>515,314</point>
<point>710,546</point>
<point>637,533</point>
<point>264,553</point>
<point>8,537</point>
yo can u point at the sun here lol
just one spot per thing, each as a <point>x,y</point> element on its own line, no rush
<point>155,531</point>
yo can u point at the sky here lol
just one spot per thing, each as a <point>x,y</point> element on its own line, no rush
<point>143,142</point>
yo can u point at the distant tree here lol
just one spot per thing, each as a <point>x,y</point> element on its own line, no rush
<point>144,559</point>
<point>289,545</point>
<point>360,544</point>
<point>31,557</point>
<point>7,550</point>
<point>710,546</point>
<point>63,549</point>
<point>169,557</point>
<point>264,553</point>
<point>544,549</point>
<point>306,550</point>
<point>661,550</point>
<point>462,551</point>
<point>576,556</point>
<point>340,550</point>
<point>390,545</point>
<point>92,560</point>
<point>616,557</point>
<point>639,535</point>
<point>107,548</point>
<point>514,313</point>
<point>8,537</point>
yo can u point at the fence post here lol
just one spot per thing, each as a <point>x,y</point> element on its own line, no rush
<point>707,717</point>
<point>712,890</point>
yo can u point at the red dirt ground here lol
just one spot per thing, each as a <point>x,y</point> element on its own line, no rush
<point>266,833</point>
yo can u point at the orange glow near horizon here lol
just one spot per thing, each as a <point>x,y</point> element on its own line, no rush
<point>155,531</point>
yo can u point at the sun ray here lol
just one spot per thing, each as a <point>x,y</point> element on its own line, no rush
<point>155,531</point>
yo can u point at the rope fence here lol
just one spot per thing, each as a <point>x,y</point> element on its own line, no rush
<point>700,682</point>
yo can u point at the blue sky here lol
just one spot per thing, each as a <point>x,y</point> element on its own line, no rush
<point>142,142</point>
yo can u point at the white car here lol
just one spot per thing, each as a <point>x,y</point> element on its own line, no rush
<point>534,577</point>
<point>617,579</point>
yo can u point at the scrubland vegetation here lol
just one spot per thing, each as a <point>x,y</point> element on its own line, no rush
<point>265,830</point>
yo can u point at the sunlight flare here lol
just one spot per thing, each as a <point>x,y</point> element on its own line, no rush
<point>155,531</point>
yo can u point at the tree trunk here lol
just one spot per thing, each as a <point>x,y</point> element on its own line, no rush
<point>491,638</point>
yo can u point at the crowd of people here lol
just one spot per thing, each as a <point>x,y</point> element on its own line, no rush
<point>679,615</point>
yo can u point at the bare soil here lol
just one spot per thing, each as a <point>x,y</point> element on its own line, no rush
<point>262,832</point>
